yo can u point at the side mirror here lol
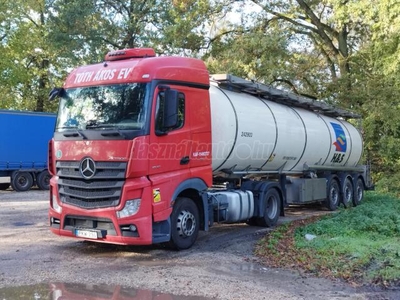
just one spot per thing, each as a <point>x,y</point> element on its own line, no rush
<point>56,92</point>
<point>170,117</point>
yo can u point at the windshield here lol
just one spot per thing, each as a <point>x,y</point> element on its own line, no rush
<point>122,106</point>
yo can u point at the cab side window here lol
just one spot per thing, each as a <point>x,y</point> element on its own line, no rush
<point>160,112</point>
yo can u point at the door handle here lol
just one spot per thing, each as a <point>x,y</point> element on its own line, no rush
<point>185,160</point>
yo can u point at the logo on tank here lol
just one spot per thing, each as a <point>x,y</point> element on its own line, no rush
<point>340,143</point>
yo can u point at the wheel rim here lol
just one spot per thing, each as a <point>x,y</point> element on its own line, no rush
<point>334,195</point>
<point>348,193</point>
<point>22,181</point>
<point>186,223</point>
<point>359,192</point>
<point>46,180</point>
<point>272,207</point>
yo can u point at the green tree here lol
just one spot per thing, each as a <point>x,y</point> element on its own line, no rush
<point>25,57</point>
<point>344,52</point>
<point>91,28</point>
<point>377,86</point>
<point>42,40</point>
<point>315,43</point>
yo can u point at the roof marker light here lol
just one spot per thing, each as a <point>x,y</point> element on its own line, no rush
<point>130,53</point>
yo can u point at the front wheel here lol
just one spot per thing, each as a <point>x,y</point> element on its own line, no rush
<point>272,204</point>
<point>185,224</point>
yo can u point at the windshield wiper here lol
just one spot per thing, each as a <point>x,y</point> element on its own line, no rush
<point>75,132</point>
<point>115,132</point>
<point>95,126</point>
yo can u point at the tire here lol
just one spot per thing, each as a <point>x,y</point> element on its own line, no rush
<point>358,192</point>
<point>4,186</point>
<point>347,193</point>
<point>333,195</point>
<point>43,180</point>
<point>21,181</point>
<point>272,204</point>
<point>185,224</point>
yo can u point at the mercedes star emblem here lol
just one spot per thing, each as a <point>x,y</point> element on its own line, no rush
<point>87,168</point>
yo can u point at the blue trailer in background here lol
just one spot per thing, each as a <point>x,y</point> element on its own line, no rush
<point>24,138</point>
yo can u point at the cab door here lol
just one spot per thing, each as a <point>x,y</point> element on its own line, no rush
<point>169,150</point>
<point>170,147</point>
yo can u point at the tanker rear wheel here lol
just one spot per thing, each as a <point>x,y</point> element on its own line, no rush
<point>333,195</point>
<point>272,204</point>
<point>347,192</point>
<point>21,181</point>
<point>358,192</point>
<point>185,224</point>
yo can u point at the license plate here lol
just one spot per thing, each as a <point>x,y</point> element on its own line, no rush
<point>87,234</point>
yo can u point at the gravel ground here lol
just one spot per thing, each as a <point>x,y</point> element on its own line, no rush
<point>219,266</point>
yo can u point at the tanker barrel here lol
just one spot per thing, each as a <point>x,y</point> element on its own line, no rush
<point>257,129</point>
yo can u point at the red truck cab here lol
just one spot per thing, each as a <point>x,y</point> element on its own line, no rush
<point>132,141</point>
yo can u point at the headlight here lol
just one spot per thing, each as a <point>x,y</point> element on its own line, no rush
<point>130,209</point>
<point>55,205</point>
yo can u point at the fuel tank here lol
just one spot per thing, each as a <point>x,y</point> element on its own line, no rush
<point>255,134</point>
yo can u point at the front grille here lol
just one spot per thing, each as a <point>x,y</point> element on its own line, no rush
<point>102,190</point>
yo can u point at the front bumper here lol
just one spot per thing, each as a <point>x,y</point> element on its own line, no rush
<point>107,227</point>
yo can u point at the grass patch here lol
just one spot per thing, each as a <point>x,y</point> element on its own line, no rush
<point>361,244</point>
